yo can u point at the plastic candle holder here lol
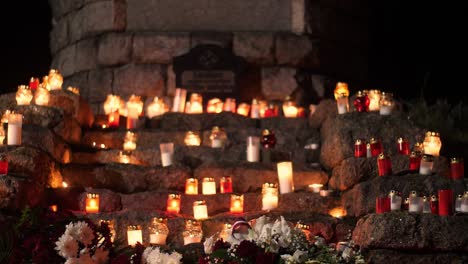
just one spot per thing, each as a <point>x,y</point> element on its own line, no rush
<point>193,232</point>
<point>214,106</point>
<point>41,96</point>
<point>457,168</point>
<point>192,139</point>
<point>55,80</point>
<point>269,196</point>
<point>427,162</point>
<point>243,109</point>
<point>229,105</point>
<point>359,148</point>
<point>200,210</point>
<point>382,205</point>
<point>268,139</point>
<point>445,202</point>
<point>195,105</point>
<point>3,166</point>
<point>403,146</point>
<point>376,147</point>
<point>384,165</point>
<point>341,89</point>
<point>374,100</point>
<point>134,235</point>
<point>414,161</point>
<point>191,186</point>
<point>178,104</point>
<point>173,203</point>
<point>434,205</point>
<point>361,102</point>
<point>395,201</point>
<point>386,104</point>
<point>237,204</point>
<point>342,104</point>
<point>225,184</point>
<point>92,203</point>
<point>208,186</point>
<point>15,127</point>
<point>167,153</point>
<point>156,108</point>
<point>253,149</point>
<point>432,143</point>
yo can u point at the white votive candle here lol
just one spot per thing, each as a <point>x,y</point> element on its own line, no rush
<point>15,125</point>
<point>253,149</point>
<point>285,177</point>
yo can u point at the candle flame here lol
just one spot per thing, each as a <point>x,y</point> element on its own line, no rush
<point>64,184</point>
<point>337,212</point>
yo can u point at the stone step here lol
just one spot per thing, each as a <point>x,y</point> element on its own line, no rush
<point>129,178</point>
<point>360,200</point>
<point>412,232</point>
<point>322,225</point>
<point>45,140</point>
<point>384,256</point>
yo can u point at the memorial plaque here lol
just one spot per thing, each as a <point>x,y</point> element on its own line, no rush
<point>210,70</point>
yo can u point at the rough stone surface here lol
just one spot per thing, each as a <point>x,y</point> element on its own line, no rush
<point>197,122</point>
<point>160,48</point>
<point>64,60</point>
<point>78,80</point>
<point>108,200</point>
<point>100,85</point>
<point>361,199</point>
<point>115,49</point>
<point>203,15</point>
<point>221,39</point>
<point>85,55</point>
<point>127,178</point>
<point>382,256</point>
<point>297,50</point>
<point>7,102</point>
<point>60,7</point>
<point>278,82</point>
<point>256,48</point>
<point>407,231</point>
<point>44,139</point>
<point>326,108</point>
<point>69,130</point>
<point>59,35</point>
<point>148,80</point>
<point>30,171</point>
<point>339,133</point>
<point>74,105</point>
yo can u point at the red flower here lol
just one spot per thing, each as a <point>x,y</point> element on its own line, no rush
<point>220,244</point>
<point>265,258</point>
<point>246,249</point>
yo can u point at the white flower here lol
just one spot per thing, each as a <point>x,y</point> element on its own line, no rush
<point>288,259</point>
<point>154,257</point>
<point>101,256</point>
<point>173,258</point>
<point>347,253</point>
<point>81,232</point>
<point>145,254</point>
<point>72,261</point>
<point>259,223</point>
<point>67,246</point>
<point>300,256</point>
<point>208,244</point>
<point>320,241</point>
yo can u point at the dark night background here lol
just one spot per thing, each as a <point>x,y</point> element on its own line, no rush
<point>413,45</point>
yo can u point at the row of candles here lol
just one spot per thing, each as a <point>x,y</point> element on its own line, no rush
<point>441,204</point>
<point>365,101</point>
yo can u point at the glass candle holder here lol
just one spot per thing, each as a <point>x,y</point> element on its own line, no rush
<point>34,83</point>
<point>414,161</point>
<point>208,186</point>
<point>134,110</point>
<point>342,103</point>
<point>395,200</point>
<point>427,162</point>
<point>434,205</point>
<point>193,232</point>
<point>464,205</point>
<point>415,203</point>
<point>289,109</point>
<point>374,100</point>
<point>361,102</point>
<point>360,148</point>
<point>15,128</point>
<point>272,110</point>
<point>403,146</point>
<point>445,202</point>
<point>316,187</point>
<point>426,205</point>
<point>386,104</point>
<point>376,147</point>
<point>200,210</point>
<point>156,108</point>
<point>195,105</point>
<point>382,205</point>
<point>191,186</point>
<point>214,106</point>
<point>225,184</point>
<point>134,235</point>
<point>192,139</point>
<point>262,107</point>
<point>269,196</point>
<point>173,203</point>
<point>158,231</point>
<point>92,203</point>
<point>341,89</point>
<point>3,166</point>
<point>237,204</point>
<point>23,95</point>
<point>255,109</point>
<point>384,165</point>
<point>55,80</point>
<point>113,104</point>
<point>268,139</point>
<point>458,202</point>
<point>229,105</point>
<point>178,105</point>
<point>129,141</point>
<point>41,96</point>
<point>218,137</point>
<point>167,153</point>
<point>124,157</point>
<point>432,143</point>
<point>243,109</point>
<point>253,149</point>
<point>285,176</point>
<point>457,168</point>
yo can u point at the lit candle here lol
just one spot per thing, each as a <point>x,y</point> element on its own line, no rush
<point>382,205</point>
<point>124,158</point>
<point>225,232</point>
<point>253,149</point>
<point>432,143</point>
<point>368,150</point>
<point>426,205</point>
<point>237,204</point>
<point>23,95</point>
<point>434,205</point>
<point>53,208</point>
<point>200,210</point>
<point>156,108</point>
<point>445,202</point>
<point>325,193</point>
<point>64,184</point>
<point>225,184</point>
<point>178,104</point>
<point>341,88</point>
<point>33,83</point>
<point>243,109</point>
<point>158,231</point>
<point>360,148</point>
<point>3,166</point>
<point>427,162</point>
<point>415,203</point>
<point>193,232</point>
<point>112,104</point>
<point>55,80</point>
<point>395,200</point>
<point>374,100</point>
<point>289,109</point>
<point>464,205</point>
<point>269,196</point>
<point>285,177</point>
<point>191,186</point>
<point>255,109</point>
<point>342,103</point>
<point>167,153</point>
<point>337,212</point>
<point>230,105</point>
<point>403,146</point>
<point>173,203</point>
<point>2,135</point>
<point>272,110</point>
<point>217,137</point>
<point>384,165</point>
<point>361,103</point>
<point>414,161</point>
<point>457,168</point>
<point>376,147</point>
<point>15,125</point>
<point>458,202</point>
<point>92,203</point>
<point>192,139</point>
<point>316,187</point>
<point>74,90</point>
<point>134,110</point>
<point>208,186</point>
<point>134,235</point>
<point>262,107</point>
<point>41,96</point>
<point>195,105</point>
<point>214,106</point>
<point>113,119</point>
<point>386,104</point>
<point>129,141</point>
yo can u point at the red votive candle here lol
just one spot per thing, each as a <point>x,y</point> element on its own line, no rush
<point>33,83</point>
<point>446,202</point>
<point>403,146</point>
<point>434,205</point>
<point>384,165</point>
<point>113,120</point>
<point>360,148</point>
<point>225,185</point>
<point>361,103</point>
<point>376,147</point>
<point>3,167</point>
<point>457,168</point>
<point>414,161</point>
<point>382,205</point>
